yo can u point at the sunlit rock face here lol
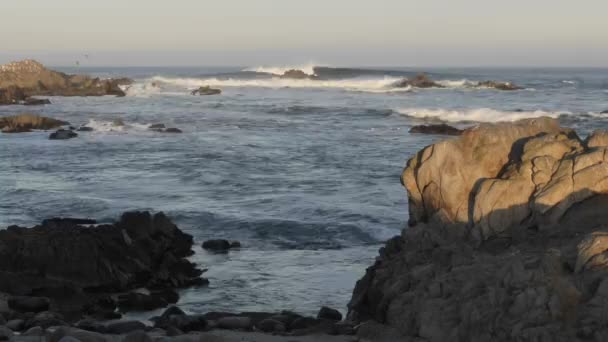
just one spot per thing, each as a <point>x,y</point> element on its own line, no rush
<point>508,240</point>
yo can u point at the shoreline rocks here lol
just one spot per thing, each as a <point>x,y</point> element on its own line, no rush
<point>220,245</point>
<point>507,240</point>
<point>506,86</point>
<point>63,134</point>
<point>418,81</point>
<point>81,268</point>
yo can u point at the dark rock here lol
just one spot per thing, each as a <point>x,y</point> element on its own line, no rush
<point>172,311</point>
<point>69,339</point>
<point>187,323</point>
<point>85,129</point>
<point>157,126</point>
<point>498,85</point>
<point>440,129</point>
<point>235,323</point>
<point>123,327</point>
<point>270,325</point>
<point>59,221</point>
<point>304,323</point>
<point>141,302</point>
<point>139,251</point>
<point>35,331</point>
<point>343,328</point>
<point>172,130</point>
<point>63,134</point>
<point>220,245</point>
<point>28,304</point>
<point>30,101</point>
<point>81,335</point>
<point>295,74</point>
<point>15,324</point>
<point>90,325</point>
<point>173,331</point>
<point>45,320</point>
<point>329,313</point>
<point>206,90</point>
<point>137,336</point>
<point>604,112</point>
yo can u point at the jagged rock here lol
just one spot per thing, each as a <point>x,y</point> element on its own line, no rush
<point>78,267</point>
<point>439,129</point>
<point>85,129</point>
<point>63,134</point>
<point>34,79</point>
<point>498,85</point>
<point>508,241</point>
<point>206,90</point>
<point>26,122</point>
<point>330,314</point>
<point>15,324</point>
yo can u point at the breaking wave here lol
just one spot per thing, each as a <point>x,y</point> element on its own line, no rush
<point>115,126</point>
<point>475,115</point>
<point>308,69</point>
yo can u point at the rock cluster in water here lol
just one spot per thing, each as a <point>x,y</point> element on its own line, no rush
<point>438,129</point>
<point>206,90</point>
<point>507,240</point>
<point>19,81</point>
<point>26,122</point>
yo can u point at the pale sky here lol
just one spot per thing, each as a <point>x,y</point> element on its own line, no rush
<point>332,32</point>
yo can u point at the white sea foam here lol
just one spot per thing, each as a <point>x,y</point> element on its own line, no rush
<point>145,89</point>
<point>475,115</point>
<point>569,82</point>
<point>384,84</point>
<point>308,69</point>
<point>111,126</point>
<point>464,83</point>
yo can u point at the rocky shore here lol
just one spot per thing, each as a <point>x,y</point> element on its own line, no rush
<point>507,241</point>
<point>72,279</point>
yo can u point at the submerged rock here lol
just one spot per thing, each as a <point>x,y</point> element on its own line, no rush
<point>172,130</point>
<point>330,314</point>
<point>26,122</point>
<point>63,134</point>
<point>507,240</point>
<point>439,129</point>
<point>206,90</point>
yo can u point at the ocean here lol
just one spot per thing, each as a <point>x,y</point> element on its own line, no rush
<point>305,173</point>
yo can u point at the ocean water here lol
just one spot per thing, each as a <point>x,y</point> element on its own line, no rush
<point>305,173</point>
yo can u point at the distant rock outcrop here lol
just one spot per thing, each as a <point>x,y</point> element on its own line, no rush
<point>508,240</point>
<point>418,81</point>
<point>27,78</point>
<point>27,122</point>
<point>295,74</point>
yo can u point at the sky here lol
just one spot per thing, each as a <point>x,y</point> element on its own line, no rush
<point>330,32</point>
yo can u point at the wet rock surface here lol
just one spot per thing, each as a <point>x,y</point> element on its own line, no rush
<point>507,241</point>
<point>26,122</point>
<point>206,90</point>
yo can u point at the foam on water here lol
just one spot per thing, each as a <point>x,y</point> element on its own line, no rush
<point>111,126</point>
<point>475,115</point>
<point>385,84</point>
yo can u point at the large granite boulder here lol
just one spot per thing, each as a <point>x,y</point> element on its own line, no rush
<point>79,266</point>
<point>32,78</point>
<point>508,240</point>
<point>26,122</point>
